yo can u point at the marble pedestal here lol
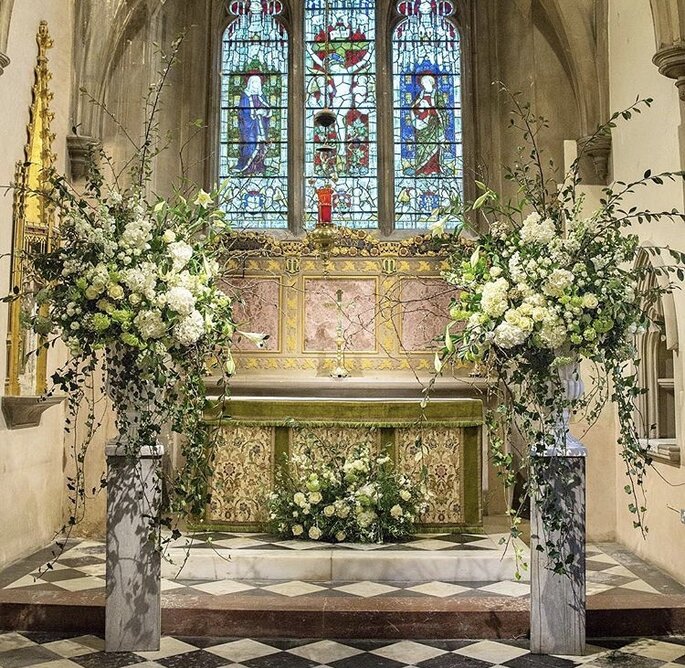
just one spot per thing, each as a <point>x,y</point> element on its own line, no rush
<point>133,603</point>
<point>557,606</point>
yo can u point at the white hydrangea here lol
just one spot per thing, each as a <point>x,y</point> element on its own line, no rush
<point>181,300</point>
<point>190,329</point>
<point>553,332</point>
<point>558,281</point>
<point>508,336</point>
<point>180,253</point>
<point>535,230</point>
<point>150,324</point>
<point>494,297</point>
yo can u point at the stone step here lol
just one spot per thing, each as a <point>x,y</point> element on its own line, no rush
<point>335,564</point>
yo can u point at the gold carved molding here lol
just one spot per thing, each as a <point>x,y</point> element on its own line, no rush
<point>350,243</point>
<point>32,226</point>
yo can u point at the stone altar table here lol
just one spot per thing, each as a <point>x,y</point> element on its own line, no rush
<point>259,432</point>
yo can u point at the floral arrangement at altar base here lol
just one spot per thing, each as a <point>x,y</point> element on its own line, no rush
<point>548,285</point>
<point>351,498</point>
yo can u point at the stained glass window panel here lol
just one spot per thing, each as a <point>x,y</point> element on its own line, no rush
<point>427,118</point>
<point>341,74</point>
<point>253,164</point>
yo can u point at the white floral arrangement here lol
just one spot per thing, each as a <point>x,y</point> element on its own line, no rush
<point>541,285</point>
<point>548,286</point>
<point>353,498</point>
<point>138,276</point>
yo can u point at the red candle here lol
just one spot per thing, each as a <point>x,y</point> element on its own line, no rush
<point>325,196</point>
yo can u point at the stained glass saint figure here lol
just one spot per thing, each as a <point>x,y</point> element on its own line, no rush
<point>254,115</point>
<point>253,147</point>
<point>427,100</point>
<point>429,128</point>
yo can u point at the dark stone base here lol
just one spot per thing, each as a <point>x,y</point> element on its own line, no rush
<point>324,617</point>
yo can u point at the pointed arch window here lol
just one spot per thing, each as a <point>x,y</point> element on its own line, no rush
<point>427,103</point>
<point>391,70</point>
<point>253,161</point>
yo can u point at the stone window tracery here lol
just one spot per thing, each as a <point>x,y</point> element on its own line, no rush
<point>389,69</point>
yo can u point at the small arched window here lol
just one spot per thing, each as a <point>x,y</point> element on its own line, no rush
<point>656,418</point>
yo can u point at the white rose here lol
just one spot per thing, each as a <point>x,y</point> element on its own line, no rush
<point>168,237</point>
<point>396,511</point>
<point>315,497</point>
<point>405,494</point>
<point>315,533</point>
<point>115,292</point>
<point>300,499</point>
<point>297,529</point>
<point>340,536</point>
<point>329,511</point>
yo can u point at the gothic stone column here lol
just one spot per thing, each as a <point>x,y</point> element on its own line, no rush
<point>133,604</point>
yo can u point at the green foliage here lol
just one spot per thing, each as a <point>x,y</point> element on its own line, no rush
<point>547,286</point>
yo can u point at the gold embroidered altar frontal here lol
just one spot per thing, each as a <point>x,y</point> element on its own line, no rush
<point>258,435</point>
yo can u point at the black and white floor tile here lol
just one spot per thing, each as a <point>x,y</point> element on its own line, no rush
<point>82,568</point>
<point>45,650</point>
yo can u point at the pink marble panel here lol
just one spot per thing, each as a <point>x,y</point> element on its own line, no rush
<point>257,307</point>
<point>425,305</point>
<point>358,314</point>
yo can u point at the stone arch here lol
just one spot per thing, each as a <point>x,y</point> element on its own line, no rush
<point>576,31</point>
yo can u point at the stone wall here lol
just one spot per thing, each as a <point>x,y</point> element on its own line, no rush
<point>654,140</point>
<point>32,460</point>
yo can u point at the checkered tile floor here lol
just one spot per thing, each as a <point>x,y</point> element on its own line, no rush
<point>264,541</point>
<point>45,650</point>
<point>82,568</point>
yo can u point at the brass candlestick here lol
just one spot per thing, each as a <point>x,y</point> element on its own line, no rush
<point>339,371</point>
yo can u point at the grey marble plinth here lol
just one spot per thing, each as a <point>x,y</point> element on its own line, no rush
<point>557,606</point>
<point>133,605</point>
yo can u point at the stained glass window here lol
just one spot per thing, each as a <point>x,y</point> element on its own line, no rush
<point>341,74</point>
<point>253,163</point>
<point>427,99</point>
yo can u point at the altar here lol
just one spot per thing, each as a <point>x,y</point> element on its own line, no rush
<point>258,433</point>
